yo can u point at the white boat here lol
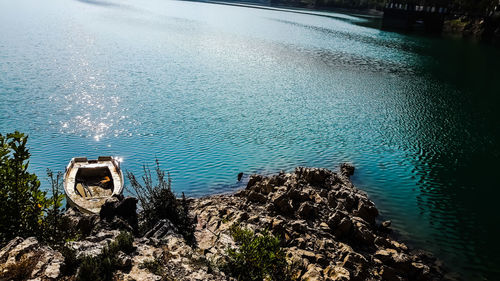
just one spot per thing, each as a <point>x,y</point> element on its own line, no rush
<point>88,183</point>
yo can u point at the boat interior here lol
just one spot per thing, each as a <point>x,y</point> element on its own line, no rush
<point>94,182</point>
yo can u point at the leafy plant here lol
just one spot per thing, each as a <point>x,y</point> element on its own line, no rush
<point>22,203</point>
<point>71,262</point>
<point>159,202</point>
<point>103,266</point>
<point>123,242</point>
<point>154,266</point>
<point>259,256</point>
<point>91,269</point>
<point>57,229</point>
<point>26,210</point>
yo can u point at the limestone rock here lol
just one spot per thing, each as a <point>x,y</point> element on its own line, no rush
<point>313,273</point>
<point>256,197</point>
<point>307,210</point>
<point>123,208</point>
<point>38,261</point>
<point>161,229</point>
<point>336,273</point>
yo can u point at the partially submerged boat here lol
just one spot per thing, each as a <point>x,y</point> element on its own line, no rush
<point>88,183</point>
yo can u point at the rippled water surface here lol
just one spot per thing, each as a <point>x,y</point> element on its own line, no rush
<point>214,90</point>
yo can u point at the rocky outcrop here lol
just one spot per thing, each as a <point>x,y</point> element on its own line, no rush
<point>121,211</point>
<point>328,229</point>
<point>26,259</point>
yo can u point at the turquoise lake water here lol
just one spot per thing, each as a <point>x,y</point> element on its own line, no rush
<point>214,90</point>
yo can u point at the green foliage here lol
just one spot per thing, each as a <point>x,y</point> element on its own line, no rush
<point>25,210</point>
<point>22,203</point>
<point>475,7</point>
<point>258,257</point>
<point>91,269</point>
<point>103,266</point>
<point>153,266</point>
<point>71,262</point>
<point>123,242</point>
<point>57,229</point>
<point>159,202</point>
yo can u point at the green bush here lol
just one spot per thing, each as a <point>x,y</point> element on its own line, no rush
<point>103,266</point>
<point>158,202</point>
<point>259,257</point>
<point>22,203</point>
<point>154,266</point>
<point>71,262</point>
<point>26,210</point>
<point>57,229</point>
<point>91,269</point>
<point>123,242</point>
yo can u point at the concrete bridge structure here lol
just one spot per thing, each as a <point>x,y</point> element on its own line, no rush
<point>411,16</point>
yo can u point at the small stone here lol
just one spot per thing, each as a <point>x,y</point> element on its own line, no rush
<point>363,234</point>
<point>253,180</point>
<point>163,228</point>
<point>306,210</point>
<point>301,242</point>
<point>321,259</point>
<point>278,226</point>
<point>256,197</point>
<point>313,273</point>
<point>309,255</point>
<point>420,270</point>
<point>386,224</point>
<point>242,216</point>
<point>385,255</point>
<point>343,228</point>
<point>367,211</point>
<point>299,226</point>
<point>324,226</point>
<point>124,261</point>
<point>346,169</point>
<point>389,274</point>
<point>336,273</point>
<point>282,204</point>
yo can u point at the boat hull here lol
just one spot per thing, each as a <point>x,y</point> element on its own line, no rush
<point>89,183</point>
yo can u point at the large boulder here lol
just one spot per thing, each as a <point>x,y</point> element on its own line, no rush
<point>23,259</point>
<point>121,208</point>
<point>313,176</point>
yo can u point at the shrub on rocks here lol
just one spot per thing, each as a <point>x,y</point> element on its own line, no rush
<point>22,203</point>
<point>103,266</point>
<point>158,202</point>
<point>154,266</point>
<point>259,257</point>
<point>26,210</point>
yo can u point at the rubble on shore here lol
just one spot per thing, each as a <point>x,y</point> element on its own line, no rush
<point>328,228</point>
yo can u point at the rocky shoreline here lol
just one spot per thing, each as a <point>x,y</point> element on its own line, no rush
<point>327,227</point>
<point>474,28</point>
